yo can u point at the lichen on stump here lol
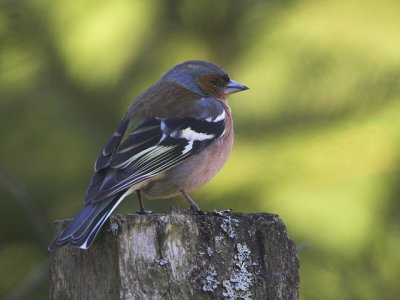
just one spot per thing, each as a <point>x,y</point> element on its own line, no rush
<point>218,255</point>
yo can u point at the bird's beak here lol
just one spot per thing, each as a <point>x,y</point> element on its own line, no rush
<point>234,87</point>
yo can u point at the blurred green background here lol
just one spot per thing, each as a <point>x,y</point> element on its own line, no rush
<point>317,136</point>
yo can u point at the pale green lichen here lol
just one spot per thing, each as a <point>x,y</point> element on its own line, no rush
<point>210,283</point>
<point>239,284</point>
<point>228,226</point>
<point>210,251</point>
<point>219,238</point>
<point>221,213</point>
<point>161,261</point>
<point>114,228</point>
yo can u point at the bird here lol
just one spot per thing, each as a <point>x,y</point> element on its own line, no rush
<point>174,138</point>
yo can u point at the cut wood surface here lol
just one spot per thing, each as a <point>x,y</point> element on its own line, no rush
<point>218,255</point>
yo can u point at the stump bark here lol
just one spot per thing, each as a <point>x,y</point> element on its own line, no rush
<point>219,255</point>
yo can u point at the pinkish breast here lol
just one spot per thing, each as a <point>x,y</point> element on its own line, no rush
<point>196,170</point>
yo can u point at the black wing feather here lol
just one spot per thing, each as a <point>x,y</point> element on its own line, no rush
<point>153,147</point>
<point>104,157</point>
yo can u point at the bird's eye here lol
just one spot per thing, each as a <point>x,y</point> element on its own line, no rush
<point>216,81</point>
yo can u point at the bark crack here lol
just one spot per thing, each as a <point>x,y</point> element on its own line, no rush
<point>169,283</point>
<point>159,234</point>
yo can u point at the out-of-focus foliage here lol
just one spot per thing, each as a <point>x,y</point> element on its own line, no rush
<point>317,136</point>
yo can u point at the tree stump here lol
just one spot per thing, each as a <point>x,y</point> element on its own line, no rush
<point>218,255</point>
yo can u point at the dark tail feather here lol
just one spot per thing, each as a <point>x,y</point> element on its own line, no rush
<point>81,231</point>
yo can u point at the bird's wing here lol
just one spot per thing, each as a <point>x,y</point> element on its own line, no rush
<point>153,147</point>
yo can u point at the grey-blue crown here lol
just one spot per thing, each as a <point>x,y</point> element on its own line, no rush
<point>187,74</point>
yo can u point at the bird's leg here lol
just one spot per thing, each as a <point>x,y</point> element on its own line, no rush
<point>193,207</point>
<point>140,200</point>
<point>141,211</point>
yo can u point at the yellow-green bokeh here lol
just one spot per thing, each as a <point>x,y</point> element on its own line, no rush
<point>317,135</point>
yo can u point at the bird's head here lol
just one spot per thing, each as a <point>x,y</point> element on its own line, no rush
<point>203,78</point>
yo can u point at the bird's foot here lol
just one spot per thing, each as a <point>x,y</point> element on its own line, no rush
<point>194,210</point>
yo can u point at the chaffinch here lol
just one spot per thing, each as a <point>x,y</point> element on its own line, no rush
<point>174,138</point>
